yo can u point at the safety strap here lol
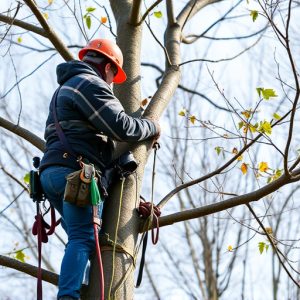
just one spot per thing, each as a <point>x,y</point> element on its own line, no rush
<point>59,130</point>
<point>39,228</point>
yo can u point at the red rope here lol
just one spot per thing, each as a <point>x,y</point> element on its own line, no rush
<point>39,228</point>
<point>144,210</point>
<point>98,251</point>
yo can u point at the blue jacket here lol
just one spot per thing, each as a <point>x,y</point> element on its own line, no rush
<point>90,117</point>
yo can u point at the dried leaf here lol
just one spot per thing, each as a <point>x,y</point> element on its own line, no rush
<point>103,20</point>
<point>244,168</point>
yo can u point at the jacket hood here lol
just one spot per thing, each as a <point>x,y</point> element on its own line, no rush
<point>69,69</point>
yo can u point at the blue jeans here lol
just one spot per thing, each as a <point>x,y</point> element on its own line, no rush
<point>78,224</point>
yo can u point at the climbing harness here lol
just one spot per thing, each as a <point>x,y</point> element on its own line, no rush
<point>40,227</point>
<point>151,213</point>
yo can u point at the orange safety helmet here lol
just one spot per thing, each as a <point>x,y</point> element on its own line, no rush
<point>111,51</point>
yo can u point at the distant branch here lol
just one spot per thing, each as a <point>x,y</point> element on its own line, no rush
<point>222,59</point>
<point>191,38</point>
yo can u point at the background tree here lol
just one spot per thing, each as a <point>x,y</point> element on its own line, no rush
<point>228,135</point>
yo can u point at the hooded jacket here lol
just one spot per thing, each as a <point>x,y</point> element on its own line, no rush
<point>90,117</point>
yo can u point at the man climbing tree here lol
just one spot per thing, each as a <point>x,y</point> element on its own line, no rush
<point>85,107</point>
<point>229,170</point>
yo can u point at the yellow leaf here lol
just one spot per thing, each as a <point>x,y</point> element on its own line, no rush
<point>244,168</point>
<point>103,20</point>
<point>20,256</point>
<point>50,2</point>
<point>229,248</point>
<point>182,112</point>
<point>192,119</point>
<point>252,128</point>
<point>240,158</point>
<point>46,16</point>
<point>263,166</point>
<point>19,40</point>
<point>276,116</point>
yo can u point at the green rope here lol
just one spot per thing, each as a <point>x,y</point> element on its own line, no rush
<point>115,241</point>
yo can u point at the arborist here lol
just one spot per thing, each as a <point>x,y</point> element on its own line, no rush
<point>91,117</point>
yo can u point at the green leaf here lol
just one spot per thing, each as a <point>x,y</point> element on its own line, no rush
<point>218,150</point>
<point>266,93</point>
<point>26,178</point>
<point>276,116</point>
<point>267,247</point>
<point>88,22</point>
<point>90,9</point>
<point>158,14</point>
<point>20,256</point>
<point>261,247</point>
<point>254,15</point>
<point>265,127</point>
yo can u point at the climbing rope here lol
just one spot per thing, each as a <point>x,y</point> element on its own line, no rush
<point>150,212</point>
<point>116,238</point>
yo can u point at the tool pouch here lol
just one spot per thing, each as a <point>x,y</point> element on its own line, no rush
<point>78,187</point>
<point>77,192</point>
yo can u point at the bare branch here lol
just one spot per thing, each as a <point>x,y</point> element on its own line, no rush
<point>273,245</point>
<point>28,269</point>
<point>223,59</point>
<point>24,25</point>
<point>170,12</point>
<point>135,12</point>
<point>226,204</point>
<point>146,13</point>
<point>56,41</point>
<point>24,133</point>
<point>187,13</point>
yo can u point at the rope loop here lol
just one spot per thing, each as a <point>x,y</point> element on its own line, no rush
<point>147,210</point>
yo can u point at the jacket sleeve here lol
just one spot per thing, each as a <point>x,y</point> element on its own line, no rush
<point>107,115</point>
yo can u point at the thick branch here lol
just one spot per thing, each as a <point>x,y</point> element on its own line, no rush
<point>226,204</point>
<point>56,41</point>
<point>24,133</point>
<point>135,12</point>
<point>24,25</point>
<point>28,269</point>
<point>186,14</point>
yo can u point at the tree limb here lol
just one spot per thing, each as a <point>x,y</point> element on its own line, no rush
<point>135,12</point>
<point>24,25</point>
<point>56,41</point>
<point>28,269</point>
<point>226,204</point>
<point>24,133</point>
